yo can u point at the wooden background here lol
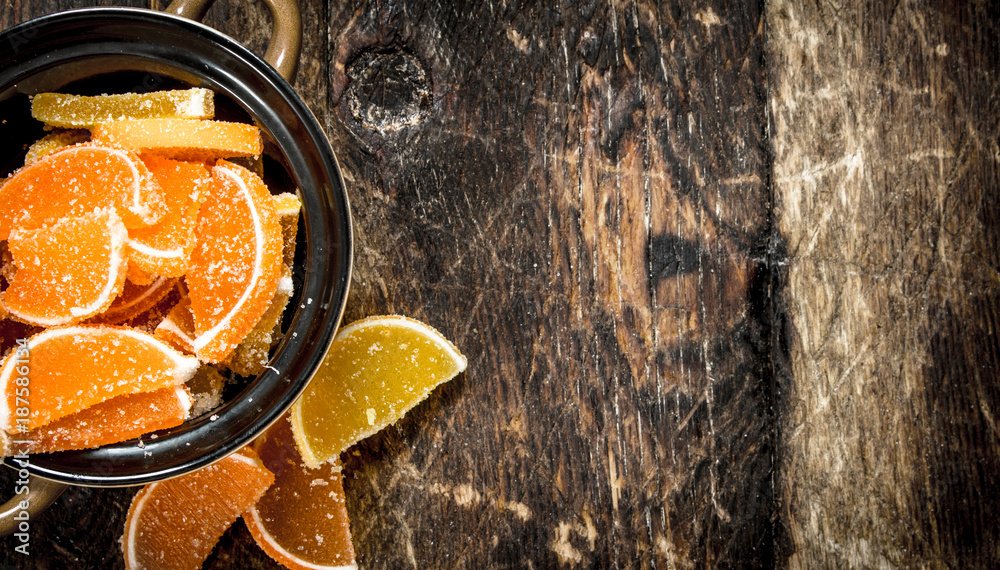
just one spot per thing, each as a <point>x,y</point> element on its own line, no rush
<point>726,275</point>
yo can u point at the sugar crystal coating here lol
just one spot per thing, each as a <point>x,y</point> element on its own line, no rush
<point>75,111</point>
<point>164,249</point>
<point>68,271</point>
<point>183,139</point>
<point>117,419</point>
<point>176,523</point>
<point>235,267</point>
<point>74,367</point>
<point>302,519</point>
<point>75,180</point>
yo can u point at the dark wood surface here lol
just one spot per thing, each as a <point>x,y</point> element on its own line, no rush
<point>726,275</point>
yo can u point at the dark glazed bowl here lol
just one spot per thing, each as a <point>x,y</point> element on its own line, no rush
<point>100,50</point>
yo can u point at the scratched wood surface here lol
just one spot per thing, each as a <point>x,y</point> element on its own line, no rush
<point>886,181</point>
<point>577,196</point>
<point>725,274</point>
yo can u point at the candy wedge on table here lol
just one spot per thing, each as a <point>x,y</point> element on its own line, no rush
<point>376,370</point>
<point>301,521</point>
<point>175,524</point>
<point>82,112</point>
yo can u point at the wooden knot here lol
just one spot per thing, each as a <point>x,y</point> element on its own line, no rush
<point>388,91</point>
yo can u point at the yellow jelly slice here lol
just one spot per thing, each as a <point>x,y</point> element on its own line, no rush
<point>287,206</point>
<point>82,112</point>
<point>376,370</point>
<point>183,139</point>
<point>54,141</point>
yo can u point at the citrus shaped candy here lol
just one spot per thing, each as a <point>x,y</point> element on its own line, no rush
<point>185,139</point>
<point>79,111</point>
<point>301,521</point>
<point>177,328</point>
<point>163,249</point>
<point>67,369</point>
<point>135,300</point>
<point>234,268</point>
<point>376,370</point>
<point>75,181</point>
<point>118,419</point>
<point>54,141</point>
<point>176,523</point>
<point>137,276</point>
<point>66,272</point>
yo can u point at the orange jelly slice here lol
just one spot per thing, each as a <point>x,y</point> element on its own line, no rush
<point>67,369</point>
<point>176,523</point>
<point>250,357</point>
<point>118,419</point>
<point>182,138</point>
<point>177,328</point>
<point>137,276</point>
<point>235,266</point>
<point>164,248</point>
<point>66,272</point>
<point>135,300</point>
<point>301,521</point>
<point>77,180</point>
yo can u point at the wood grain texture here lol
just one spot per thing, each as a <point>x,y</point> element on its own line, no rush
<point>726,276</point>
<point>885,175</point>
<point>583,209</point>
<point>580,211</point>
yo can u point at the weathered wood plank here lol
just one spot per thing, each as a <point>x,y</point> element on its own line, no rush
<point>579,196</point>
<point>581,210</point>
<point>886,180</point>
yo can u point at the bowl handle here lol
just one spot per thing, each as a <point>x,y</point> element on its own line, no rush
<point>37,495</point>
<point>286,41</point>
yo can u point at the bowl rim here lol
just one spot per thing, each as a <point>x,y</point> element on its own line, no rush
<point>336,285</point>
